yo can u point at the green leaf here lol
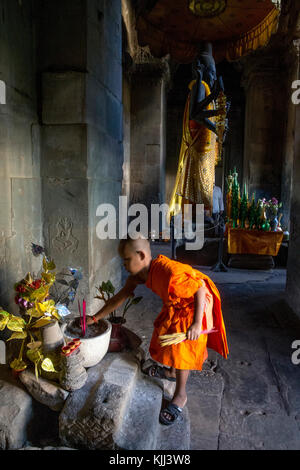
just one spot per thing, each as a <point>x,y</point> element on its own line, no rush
<point>18,364</point>
<point>110,287</point>
<point>34,312</point>
<point>3,312</point>
<point>136,300</point>
<point>18,335</point>
<point>4,317</point>
<point>48,265</point>
<point>42,322</point>
<point>47,365</point>
<point>34,345</point>
<point>34,355</point>
<point>48,277</point>
<point>39,294</point>
<point>15,323</point>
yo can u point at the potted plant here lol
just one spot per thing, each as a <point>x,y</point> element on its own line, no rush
<point>94,339</point>
<point>118,339</point>
<point>37,312</point>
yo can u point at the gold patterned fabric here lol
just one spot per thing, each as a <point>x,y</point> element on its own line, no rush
<point>197,159</point>
<point>255,242</point>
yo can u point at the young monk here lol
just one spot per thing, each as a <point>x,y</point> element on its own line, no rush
<point>191,303</point>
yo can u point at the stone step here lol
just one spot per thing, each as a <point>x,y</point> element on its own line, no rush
<point>93,414</point>
<point>139,428</point>
<point>118,408</point>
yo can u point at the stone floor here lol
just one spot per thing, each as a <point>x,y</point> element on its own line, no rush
<point>251,400</point>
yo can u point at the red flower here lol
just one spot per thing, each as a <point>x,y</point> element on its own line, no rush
<point>35,284</point>
<point>21,288</point>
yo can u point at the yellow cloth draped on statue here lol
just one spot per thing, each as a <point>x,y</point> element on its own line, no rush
<point>255,242</point>
<point>197,159</point>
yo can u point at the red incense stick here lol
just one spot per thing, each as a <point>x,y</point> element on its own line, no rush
<point>81,319</point>
<point>84,316</point>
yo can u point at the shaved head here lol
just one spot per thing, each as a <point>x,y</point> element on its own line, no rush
<point>140,244</point>
<point>136,255</point>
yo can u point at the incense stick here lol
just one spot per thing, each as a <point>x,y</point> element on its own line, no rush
<point>82,326</point>
<point>176,338</point>
<point>84,316</point>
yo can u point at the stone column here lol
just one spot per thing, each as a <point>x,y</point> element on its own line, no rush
<point>148,135</point>
<point>291,66</point>
<point>20,185</point>
<point>264,126</point>
<point>82,152</point>
<point>293,265</point>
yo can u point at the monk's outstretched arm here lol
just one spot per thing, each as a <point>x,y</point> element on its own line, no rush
<point>199,305</point>
<point>115,301</point>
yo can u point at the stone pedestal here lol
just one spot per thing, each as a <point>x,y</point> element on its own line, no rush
<point>251,262</point>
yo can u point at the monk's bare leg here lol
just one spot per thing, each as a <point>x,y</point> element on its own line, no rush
<point>170,372</point>
<point>180,396</point>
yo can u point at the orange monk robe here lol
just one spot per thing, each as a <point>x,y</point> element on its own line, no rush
<point>176,284</point>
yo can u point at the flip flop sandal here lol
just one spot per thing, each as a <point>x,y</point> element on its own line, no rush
<point>172,410</point>
<point>158,371</point>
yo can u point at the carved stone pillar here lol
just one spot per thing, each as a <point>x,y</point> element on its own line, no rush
<point>148,134</point>
<point>291,67</point>
<point>82,153</point>
<point>293,266</point>
<point>144,85</point>
<point>264,126</point>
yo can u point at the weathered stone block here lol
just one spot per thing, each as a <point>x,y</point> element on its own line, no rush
<point>114,116</point>
<point>16,148</point>
<point>105,156</point>
<point>46,392</point>
<point>5,207</point>
<point>95,103</point>
<point>15,411</point>
<point>93,414</point>
<point>26,228</point>
<point>63,23</point>
<point>63,97</point>
<point>16,48</point>
<point>104,62</point>
<point>64,151</point>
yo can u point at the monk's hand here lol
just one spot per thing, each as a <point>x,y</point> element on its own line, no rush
<point>90,320</point>
<point>194,331</point>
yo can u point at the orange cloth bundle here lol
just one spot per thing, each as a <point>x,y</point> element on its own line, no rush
<point>256,242</point>
<point>176,284</point>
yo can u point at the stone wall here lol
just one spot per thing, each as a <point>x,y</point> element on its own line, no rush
<point>147,156</point>
<point>126,135</point>
<point>264,125</point>
<point>20,184</point>
<point>60,137</point>
<point>82,151</point>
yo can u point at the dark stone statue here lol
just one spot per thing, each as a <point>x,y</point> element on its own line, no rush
<point>204,69</point>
